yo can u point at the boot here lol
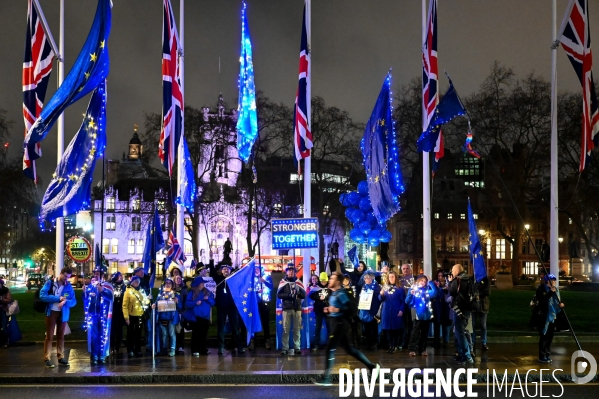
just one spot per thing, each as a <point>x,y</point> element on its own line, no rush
<point>267,344</point>
<point>251,345</point>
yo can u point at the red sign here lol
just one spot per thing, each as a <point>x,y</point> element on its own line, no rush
<point>79,249</point>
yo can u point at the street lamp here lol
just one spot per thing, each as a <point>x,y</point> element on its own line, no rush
<point>527,226</point>
<point>560,239</point>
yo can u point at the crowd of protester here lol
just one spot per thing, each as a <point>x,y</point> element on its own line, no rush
<point>387,310</point>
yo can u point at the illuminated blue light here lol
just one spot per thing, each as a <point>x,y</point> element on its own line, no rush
<point>247,122</point>
<point>294,233</point>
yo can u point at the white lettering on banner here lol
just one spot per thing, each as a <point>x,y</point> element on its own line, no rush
<point>295,238</point>
<point>276,228</point>
<point>210,285</point>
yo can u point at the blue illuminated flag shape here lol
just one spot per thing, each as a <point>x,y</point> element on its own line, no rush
<point>70,188</point>
<point>476,252</point>
<point>89,71</point>
<point>154,243</point>
<point>247,122</point>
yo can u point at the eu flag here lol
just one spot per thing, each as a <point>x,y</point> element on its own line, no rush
<point>241,285</point>
<point>448,108</point>
<point>154,243</point>
<point>381,159</point>
<point>476,251</point>
<point>70,188</point>
<point>89,71</point>
<point>353,256</point>
<point>187,189</point>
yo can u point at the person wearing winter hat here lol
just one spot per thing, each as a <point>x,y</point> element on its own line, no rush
<point>198,304</point>
<point>134,304</point>
<point>225,307</point>
<point>168,319</point>
<point>291,292</point>
<point>118,320</point>
<point>98,300</point>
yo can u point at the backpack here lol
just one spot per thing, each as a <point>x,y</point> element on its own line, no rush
<point>472,297</point>
<point>39,305</point>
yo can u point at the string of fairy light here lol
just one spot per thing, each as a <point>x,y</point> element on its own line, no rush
<point>246,135</point>
<point>105,322</point>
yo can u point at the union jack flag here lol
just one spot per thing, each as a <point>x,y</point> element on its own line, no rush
<point>430,70</point>
<point>576,41</point>
<point>172,95</point>
<point>37,67</point>
<point>302,135</point>
<point>175,252</point>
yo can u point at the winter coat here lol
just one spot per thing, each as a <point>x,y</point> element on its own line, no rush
<point>483,294</point>
<point>223,294</point>
<point>117,305</point>
<point>202,311</point>
<point>441,308</point>
<point>68,292</point>
<point>134,302</point>
<point>548,304</point>
<point>393,303</point>
<point>171,316</point>
<point>291,292</point>
<point>368,315</point>
<point>458,289</point>
<point>319,295</point>
<point>420,300</point>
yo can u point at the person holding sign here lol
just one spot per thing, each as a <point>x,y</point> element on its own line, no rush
<point>369,307</point>
<point>168,304</point>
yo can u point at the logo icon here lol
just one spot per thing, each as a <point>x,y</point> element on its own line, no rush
<point>582,362</point>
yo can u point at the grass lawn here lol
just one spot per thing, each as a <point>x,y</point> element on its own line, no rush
<point>509,315</point>
<point>510,311</point>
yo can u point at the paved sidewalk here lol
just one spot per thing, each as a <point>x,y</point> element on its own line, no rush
<point>24,365</point>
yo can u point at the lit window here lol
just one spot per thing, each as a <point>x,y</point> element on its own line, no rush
<point>111,222</point>
<point>131,246</point>
<point>569,220</point>
<point>161,205</point>
<point>110,203</point>
<point>450,216</point>
<point>436,216</point>
<point>462,216</point>
<point>488,248</point>
<point>136,205</point>
<point>163,222</point>
<point>325,209</point>
<point>500,248</point>
<point>475,215</point>
<point>278,208</point>
<point>188,224</point>
<point>140,246</point>
<point>114,266</point>
<point>187,248</point>
<point>136,223</point>
<point>105,244</point>
<point>114,246</point>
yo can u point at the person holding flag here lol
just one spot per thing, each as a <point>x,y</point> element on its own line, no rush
<point>225,307</point>
<point>263,287</point>
<point>98,297</point>
<point>481,281</point>
<point>291,292</point>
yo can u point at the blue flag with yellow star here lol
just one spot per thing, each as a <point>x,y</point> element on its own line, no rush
<point>88,72</point>
<point>187,188</point>
<point>70,188</point>
<point>241,285</point>
<point>154,243</point>
<point>381,157</point>
<point>476,251</point>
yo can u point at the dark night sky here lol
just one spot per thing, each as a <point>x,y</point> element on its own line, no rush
<point>354,43</point>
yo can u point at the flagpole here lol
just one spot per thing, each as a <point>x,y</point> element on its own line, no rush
<point>554,223</point>
<point>426,183</point>
<point>307,253</point>
<point>59,248</point>
<point>180,233</point>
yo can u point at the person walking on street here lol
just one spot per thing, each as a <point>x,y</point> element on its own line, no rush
<point>118,320</point>
<point>197,311</point>
<point>353,319</point>
<point>419,299</point>
<point>291,292</point>
<point>263,287</point>
<point>370,293</point>
<point>339,311</point>
<point>393,300</point>
<point>60,297</point>
<point>135,303</point>
<point>462,307</point>
<point>550,304</point>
